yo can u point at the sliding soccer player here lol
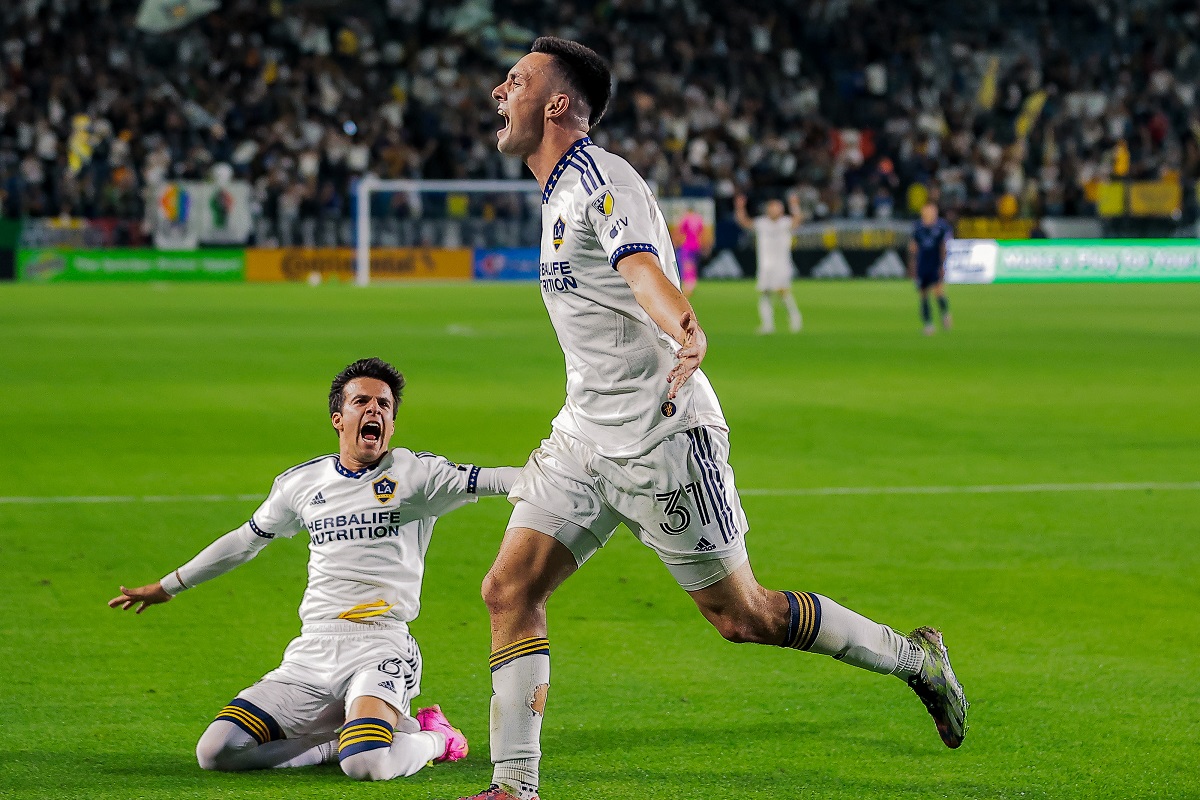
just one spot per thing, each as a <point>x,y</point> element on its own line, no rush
<point>641,438</point>
<point>368,512</point>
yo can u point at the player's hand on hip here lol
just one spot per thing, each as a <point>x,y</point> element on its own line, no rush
<point>149,595</point>
<point>687,360</point>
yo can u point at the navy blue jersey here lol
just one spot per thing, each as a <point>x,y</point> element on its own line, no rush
<point>929,239</point>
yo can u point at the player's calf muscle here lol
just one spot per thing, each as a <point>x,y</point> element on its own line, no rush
<point>761,620</point>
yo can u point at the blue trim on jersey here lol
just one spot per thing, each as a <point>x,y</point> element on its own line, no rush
<point>473,480</point>
<point>595,168</point>
<point>258,531</point>
<point>425,454</point>
<point>630,249</point>
<point>589,185</point>
<point>557,172</point>
<point>346,473</point>
<point>589,173</point>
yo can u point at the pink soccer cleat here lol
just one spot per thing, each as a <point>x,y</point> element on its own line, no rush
<point>493,792</point>
<point>432,719</point>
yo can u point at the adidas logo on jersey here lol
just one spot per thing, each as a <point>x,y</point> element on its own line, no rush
<point>391,687</point>
<point>704,546</point>
<point>319,500</point>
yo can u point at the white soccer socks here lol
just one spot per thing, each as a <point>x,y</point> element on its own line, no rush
<point>371,751</point>
<point>820,625</point>
<point>226,747</point>
<point>795,321</point>
<point>766,313</point>
<point>520,682</point>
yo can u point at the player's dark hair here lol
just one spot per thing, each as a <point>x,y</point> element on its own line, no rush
<point>375,368</point>
<point>586,73</point>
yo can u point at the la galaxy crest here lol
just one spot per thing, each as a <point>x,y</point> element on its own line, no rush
<point>385,489</point>
<point>604,204</point>
<point>560,228</point>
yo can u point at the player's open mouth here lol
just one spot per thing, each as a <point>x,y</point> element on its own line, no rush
<point>507,121</point>
<point>371,432</point>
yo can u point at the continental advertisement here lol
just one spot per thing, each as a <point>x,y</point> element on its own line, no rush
<point>117,264</point>
<point>1072,260</point>
<point>337,263</point>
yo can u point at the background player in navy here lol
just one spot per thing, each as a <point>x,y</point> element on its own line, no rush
<point>927,263</point>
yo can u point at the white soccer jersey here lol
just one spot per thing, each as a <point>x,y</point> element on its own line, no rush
<point>595,211</point>
<point>368,530</point>
<point>773,248</point>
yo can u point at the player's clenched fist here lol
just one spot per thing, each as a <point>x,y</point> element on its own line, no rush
<point>149,595</point>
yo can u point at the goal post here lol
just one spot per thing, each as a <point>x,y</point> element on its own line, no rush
<point>524,214</point>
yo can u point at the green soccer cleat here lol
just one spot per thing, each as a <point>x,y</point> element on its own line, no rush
<point>938,689</point>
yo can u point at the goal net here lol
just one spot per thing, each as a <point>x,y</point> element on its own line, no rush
<point>437,213</point>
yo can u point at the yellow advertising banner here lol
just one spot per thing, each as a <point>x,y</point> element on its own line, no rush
<point>993,228</point>
<point>1110,199</point>
<point>387,263</point>
<point>1155,198</point>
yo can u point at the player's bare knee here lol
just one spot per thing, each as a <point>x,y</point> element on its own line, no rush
<point>506,595</point>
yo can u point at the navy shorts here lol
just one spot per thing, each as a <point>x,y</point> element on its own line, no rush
<point>928,278</point>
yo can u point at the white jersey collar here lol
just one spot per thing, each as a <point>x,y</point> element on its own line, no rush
<point>557,172</point>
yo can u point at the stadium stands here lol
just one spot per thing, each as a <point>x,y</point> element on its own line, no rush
<point>1016,108</point>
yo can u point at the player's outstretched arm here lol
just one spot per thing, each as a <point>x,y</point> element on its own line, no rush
<point>739,213</point>
<point>670,310</point>
<point>495,481</point>
<point>149,595</point>
<point>231,550</point>
<point>795,211</point>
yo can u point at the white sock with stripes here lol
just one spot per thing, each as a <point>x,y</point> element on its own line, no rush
<point>854,639</point>
<point>519,687</point>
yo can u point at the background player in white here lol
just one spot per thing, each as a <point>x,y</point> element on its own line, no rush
<point>640,439</point>
<point>369,513</point>
<point>773,251</point>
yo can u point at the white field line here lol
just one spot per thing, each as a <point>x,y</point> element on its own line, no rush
<point>1026,488</point>
<point>1020,488</point>
<point>135,498</point>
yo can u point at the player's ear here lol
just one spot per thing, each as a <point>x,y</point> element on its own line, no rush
<point>557,105</point>
<point>335,419</point>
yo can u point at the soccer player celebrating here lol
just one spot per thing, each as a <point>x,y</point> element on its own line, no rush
<point>773,250</point>
<point>927,263</point>
<point>369,513</point>
<point>641,438</point>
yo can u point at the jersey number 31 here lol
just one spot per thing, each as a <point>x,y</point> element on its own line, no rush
<point>677,510</point>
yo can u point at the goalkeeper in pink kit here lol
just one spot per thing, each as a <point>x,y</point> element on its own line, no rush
<point>689,246</point>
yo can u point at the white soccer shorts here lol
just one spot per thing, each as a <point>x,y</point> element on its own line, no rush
<point>324,670</point>
<point>679,499</point>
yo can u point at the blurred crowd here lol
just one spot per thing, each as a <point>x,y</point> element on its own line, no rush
<point>862,107</point>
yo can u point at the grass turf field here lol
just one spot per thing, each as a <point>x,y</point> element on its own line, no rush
<point>1071,615</point>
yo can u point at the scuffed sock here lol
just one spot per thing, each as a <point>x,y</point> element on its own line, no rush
<point>520,683</point>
